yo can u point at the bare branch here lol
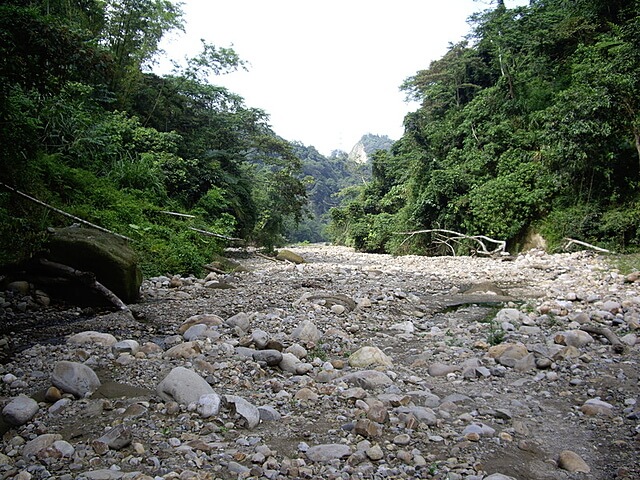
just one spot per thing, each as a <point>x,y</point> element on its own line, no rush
<point>572,241</point>
<point>446,236</point>
<point>216,235</point>
<point>57,210</point>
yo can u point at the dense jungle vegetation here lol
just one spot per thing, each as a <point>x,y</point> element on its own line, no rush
<point>530,123</point>
<point>86,128</point>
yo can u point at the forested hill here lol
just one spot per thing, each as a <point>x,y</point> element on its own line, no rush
<point>85,128</point>
<point>532,123</point>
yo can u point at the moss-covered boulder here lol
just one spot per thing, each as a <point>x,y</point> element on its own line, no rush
<point>108,257</point>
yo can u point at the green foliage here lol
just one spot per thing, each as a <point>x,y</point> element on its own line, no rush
<point>87,130</point>
<point>533,120</point>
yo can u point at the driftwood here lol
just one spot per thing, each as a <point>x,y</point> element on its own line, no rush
<point>615,342</point>
<point>215,270</point>
<point>216,235</point>
<point>447,237</point>
<point>61,212</point>
<point>573,241</point>
<point>258,254</point>
<point>85,278</point>
<point>176,214</point>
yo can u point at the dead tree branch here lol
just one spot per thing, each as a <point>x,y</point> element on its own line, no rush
<point>447,237</point>
<point>86,278</point>
<point>176,214</point>
<point>216,235</point>
<point>61,212</point>
<point>572,241</point>
<point>615,342</point>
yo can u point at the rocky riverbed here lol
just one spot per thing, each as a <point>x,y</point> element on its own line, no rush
<point>345,366</point>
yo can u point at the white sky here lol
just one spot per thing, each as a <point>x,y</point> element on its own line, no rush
<point>326,71</point>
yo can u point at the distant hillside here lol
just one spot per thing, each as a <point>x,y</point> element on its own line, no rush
<point>324,178</point>
<point>367,145</point>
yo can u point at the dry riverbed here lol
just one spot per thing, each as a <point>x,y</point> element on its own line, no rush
<point>345,366</point>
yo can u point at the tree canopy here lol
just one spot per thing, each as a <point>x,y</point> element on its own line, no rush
<point>87,128</point>
<point>529,123</point>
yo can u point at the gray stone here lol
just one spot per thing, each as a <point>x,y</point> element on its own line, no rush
<point>109,257</point>
<point>367,379</point>
<point>239,320</point>
<point>270,357</point>
<point>91,337</point>
<point>183,386</point>
<point>20,410</point>
<point>126,346</point>
<point>245,409</point>
<point>369,356</point>
<point>260,338</point>
<point>32,447</point>
<point>572,462</point>
<point>75,378</point>
<point>328,452</point>
<point>307,333</point>
<point>269,414</point>
<point>208,405</point>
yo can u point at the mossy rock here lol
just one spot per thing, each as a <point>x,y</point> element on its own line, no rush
<point>109,258</point>
<point>288,255</point>
<point>227,265</point>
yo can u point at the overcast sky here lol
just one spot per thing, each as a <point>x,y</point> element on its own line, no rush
<point>326,71</point>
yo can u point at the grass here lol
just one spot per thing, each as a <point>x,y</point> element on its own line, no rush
<point>627,263</point>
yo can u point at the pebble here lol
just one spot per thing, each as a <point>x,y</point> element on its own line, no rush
<point>276,390</point>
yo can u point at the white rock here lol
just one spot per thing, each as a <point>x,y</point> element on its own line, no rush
<point>91,337</point>
<point>183,386</point>
<point>20,410</point>
<point>75,378</point>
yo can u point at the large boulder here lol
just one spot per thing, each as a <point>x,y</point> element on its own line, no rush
<point>109,257</point>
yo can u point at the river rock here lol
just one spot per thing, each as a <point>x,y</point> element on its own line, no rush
<point>369,356</point>
<point>208,405</point>
<point>289,256</point>
<point>328,452</point>
<point>573,338</point>
<point>183,386</point>
<point>245,409</point>
<point>20,410</point>
<point>367,379</point>
<point>75,378</point>
<point>208,319</point>
<point>572,462</point>
<point>91,337</point>
<point>306,333</point>
<point>32,447</point>
<point>110,258</point>
<point>240,321</point>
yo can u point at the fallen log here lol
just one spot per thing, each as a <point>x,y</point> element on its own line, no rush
<point>613,339</point>
<point>87,279</point>
<point>446,237</point>
<point>573,241</point>
<point>61,212</point>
